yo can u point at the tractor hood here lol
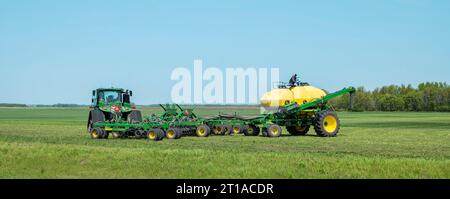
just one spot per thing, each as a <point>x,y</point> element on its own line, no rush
<point>115,107</point>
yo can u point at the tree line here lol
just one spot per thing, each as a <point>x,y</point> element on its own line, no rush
<point>429,96</point>
<point>12,105</point>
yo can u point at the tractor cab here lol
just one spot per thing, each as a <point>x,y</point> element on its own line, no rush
<point>111,99</point>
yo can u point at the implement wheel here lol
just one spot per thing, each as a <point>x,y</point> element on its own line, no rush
<point>97,133</point>
<point>298,130</point>
<point>252,130</point>
<point>219,130</point>
<point>140,133</point>
<point>173,133</point>
<point>274,131</point>
<point>155,134</point>
<point>203,131</point>
<point>228,129</point>
<point>237,129</point>
<point>326,123</point>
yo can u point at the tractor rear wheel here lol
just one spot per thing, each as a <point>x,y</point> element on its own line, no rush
<point>252,130</point>
<point>274,130</point>
<point>155,134</point>
<point>173,133</point>
<point>134,117</point>
<point>203,131</point>
<point>97,133</point>
<point>298,130</point>
<point>326,123</point>
<point>94,116</point>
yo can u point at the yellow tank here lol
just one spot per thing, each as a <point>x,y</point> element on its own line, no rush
<point>283,96</point>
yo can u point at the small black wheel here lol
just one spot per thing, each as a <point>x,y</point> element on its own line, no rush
<point>139,133</point>
<point>298,130</point>
<point>264,131</point>
<point>326,123</point>
<point>274,131</point>
<point>155,134</point>
<point>97,133</point>
<point>252,130</point>
<point>203,131</point>
<point>228,129</point>
<point>105,135</point>
<point>173,133</point>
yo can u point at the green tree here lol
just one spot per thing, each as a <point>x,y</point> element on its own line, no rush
<point>413,101</point>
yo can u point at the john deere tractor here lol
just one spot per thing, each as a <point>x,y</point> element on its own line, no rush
<point>112,105</point>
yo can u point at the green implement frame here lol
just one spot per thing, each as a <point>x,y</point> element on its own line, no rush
<point>290,115</point>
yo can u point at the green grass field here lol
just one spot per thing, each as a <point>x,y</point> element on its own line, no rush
<point>53,143</point>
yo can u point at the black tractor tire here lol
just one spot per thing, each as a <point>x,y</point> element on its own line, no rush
<point>134,117</point>
<point>203,131</point>
<point>326,123</point>
<point>252,130</point>
<point>219,130</point>
<point>140,134</point>
<point>274,130</point>
<point>97,133</point>
<point>155,134</point>
<point>174,133</point>
<point>94,116</point>
<point>228,129</point>
<point>298,130</point>
<point>105,135</point>
<point>264,131</point>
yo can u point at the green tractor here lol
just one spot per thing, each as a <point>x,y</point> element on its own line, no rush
<point>112,105</point>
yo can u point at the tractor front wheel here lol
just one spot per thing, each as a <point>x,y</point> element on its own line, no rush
<point>326,123</point>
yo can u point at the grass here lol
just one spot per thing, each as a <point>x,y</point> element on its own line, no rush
<point>52,143</point>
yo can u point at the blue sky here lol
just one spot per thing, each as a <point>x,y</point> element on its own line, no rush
<point>58,51</point>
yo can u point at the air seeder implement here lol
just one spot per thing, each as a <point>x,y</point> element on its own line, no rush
<point>294,105</point>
